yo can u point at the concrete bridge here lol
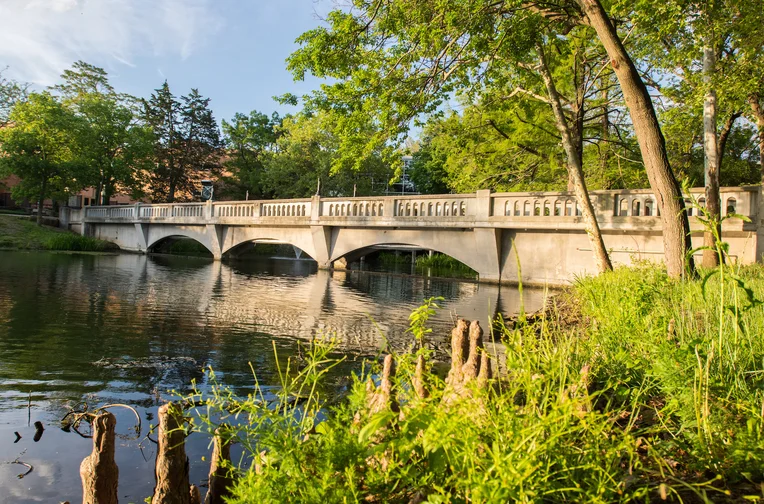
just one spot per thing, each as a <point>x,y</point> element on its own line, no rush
<point>479,230</point>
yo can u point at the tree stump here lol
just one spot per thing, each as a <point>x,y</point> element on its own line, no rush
<point>221,479</point>
<point>99,471</point>
<point>469,361</point>
<point>171,469</point>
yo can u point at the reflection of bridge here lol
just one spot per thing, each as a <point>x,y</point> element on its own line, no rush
<point>477,229</point>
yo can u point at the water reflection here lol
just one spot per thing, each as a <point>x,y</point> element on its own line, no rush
<point>125,328</point>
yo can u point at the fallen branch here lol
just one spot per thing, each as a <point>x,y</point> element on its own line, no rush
<point>29,466</point>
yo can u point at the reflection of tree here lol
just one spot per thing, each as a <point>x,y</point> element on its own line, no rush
<point>65,312</point>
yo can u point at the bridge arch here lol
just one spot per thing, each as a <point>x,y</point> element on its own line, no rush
<point>460,245</point>
<point>300,238</point>
<point>160,234</point>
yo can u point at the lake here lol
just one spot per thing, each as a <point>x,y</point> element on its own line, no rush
<point>124,328</point>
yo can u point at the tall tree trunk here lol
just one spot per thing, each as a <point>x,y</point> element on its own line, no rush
<point>759,115</point>
<point>711,157</point>
<point>41,200</point>
<point>97,194</point>
<point>575,168</point>
<point>652,145</point>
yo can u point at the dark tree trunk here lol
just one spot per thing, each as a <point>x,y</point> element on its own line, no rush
<point>676,227</point>
<point>41,200</point>
<point>575,168</point>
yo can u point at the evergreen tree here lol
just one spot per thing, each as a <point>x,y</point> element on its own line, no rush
<point>186,142</point>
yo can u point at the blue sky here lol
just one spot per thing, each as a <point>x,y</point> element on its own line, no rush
<point>233,51</point>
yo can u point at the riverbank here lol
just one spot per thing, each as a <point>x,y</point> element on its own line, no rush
<point>630,387</point>
<point>19,233</point>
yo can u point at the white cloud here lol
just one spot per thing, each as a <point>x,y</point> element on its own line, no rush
<point>41,38</point>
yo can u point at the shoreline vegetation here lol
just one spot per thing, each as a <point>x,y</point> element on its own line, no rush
<point>628,387</point>
<point>19,233</point>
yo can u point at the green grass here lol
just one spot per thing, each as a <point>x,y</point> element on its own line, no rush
<point>18,233</point>
<point>78,243</point>
<point>441,264</point>
<point>629,387</point>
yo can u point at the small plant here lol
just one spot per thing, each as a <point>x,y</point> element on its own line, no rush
<point>419,318</point>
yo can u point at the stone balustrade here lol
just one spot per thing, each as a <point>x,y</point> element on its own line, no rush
<point>551,206</point>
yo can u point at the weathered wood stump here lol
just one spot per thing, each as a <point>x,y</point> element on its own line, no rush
<point>196,497</point>
<point>418,380</point>
<point>469,361</point>
<point>380,398</point>
<point>99,471</point>
<point>221,479</point>
<point>171,468</point>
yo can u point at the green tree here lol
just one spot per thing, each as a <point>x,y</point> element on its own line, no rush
<point>11,92</point>
<point>398,59</point>
<point>38,148</point>
<point>250,139</point>
<point>307,152</point>
<point>187,145</point>
<point>112,144</point>
<point>162,113</point>
<point>695,45</point>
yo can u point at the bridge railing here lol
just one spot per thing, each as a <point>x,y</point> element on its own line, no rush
<point>438,206</point>
<point>110,212</point>
<point>610,206</point>
<point>286,208</point>
<point>354,207</point>
<point>616,203</point>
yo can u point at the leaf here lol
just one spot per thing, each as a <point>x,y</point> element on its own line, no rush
<point>375,423</point>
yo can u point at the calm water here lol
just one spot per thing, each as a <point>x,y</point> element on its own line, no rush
<point>130,328</point>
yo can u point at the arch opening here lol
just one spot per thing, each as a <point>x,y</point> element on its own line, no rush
<point>265,248</point>
<point>179,245</point>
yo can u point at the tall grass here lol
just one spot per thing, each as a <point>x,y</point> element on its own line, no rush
<point>74,242</point>
<point>629,387</point>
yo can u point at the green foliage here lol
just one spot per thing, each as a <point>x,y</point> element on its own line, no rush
<point>634,402</point>
<point>11,92</point>
<point>251,140</point>
<point>113,149</point>
<point>419,318</point>
<point>186,143</point>
<point>39,148</point>
<point>307,151</point>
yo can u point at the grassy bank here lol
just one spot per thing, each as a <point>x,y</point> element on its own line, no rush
<point>630,387</point>
<point>18,233</point>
